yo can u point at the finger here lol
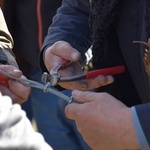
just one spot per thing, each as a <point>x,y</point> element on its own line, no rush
<point>72,110</point>
<point>100,81</point>
<point>84,85</point>
<point>66,51</point>
<point>15,99</point>
<point>16,73</point>
<point>19,90</point>
<point>11,69</point>
<point>52,60</point>
<point>110,79</point>
<point>82,104</point>
<point>77,111</point>
<point>80,85</point>
<point>83,97</point>
<point>88,84</point>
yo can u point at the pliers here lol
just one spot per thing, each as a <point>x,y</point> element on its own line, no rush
<point>54,77</point>
<point>5,76</point>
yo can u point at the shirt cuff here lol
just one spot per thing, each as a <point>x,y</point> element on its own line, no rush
<point>139,131</point>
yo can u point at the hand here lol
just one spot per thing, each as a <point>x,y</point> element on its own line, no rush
<point>104,122</point>
<point>62,52</point>
<point>15,90</point>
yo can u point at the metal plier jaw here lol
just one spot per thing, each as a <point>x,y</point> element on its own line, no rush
<point>53,77</point>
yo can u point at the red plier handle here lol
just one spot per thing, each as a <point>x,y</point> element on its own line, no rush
<point>94,74</point>
<point>54,77</point>
<point>4,80</point>
<point>105,72</point>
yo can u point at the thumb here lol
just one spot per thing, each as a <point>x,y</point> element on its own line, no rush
<point>72,110</point>
<point>83,96</point>
<point>75,109</point>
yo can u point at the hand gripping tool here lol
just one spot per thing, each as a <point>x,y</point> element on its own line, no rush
<point>54,77</point>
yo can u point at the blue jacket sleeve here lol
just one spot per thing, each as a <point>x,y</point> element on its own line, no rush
<point>70,24</point>
<point>143,117</point>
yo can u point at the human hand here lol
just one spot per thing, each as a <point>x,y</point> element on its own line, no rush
<point>15,90</point>
<point>104,122</point>
<point>62,53</point>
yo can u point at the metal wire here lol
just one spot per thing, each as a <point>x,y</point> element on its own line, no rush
<point>34,84</point>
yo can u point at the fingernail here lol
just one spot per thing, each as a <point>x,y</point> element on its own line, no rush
<point>102,78</point>
<point>75,56</point>
<point>76,93</point>
<point>16,70</point>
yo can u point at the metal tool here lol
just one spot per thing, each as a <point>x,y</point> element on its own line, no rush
<point>4,77</point>
<point>54,76</point>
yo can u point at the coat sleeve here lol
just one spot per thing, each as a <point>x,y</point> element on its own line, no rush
<point>70,24</point>
<point>6,44</point>
<point>141,118</point>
